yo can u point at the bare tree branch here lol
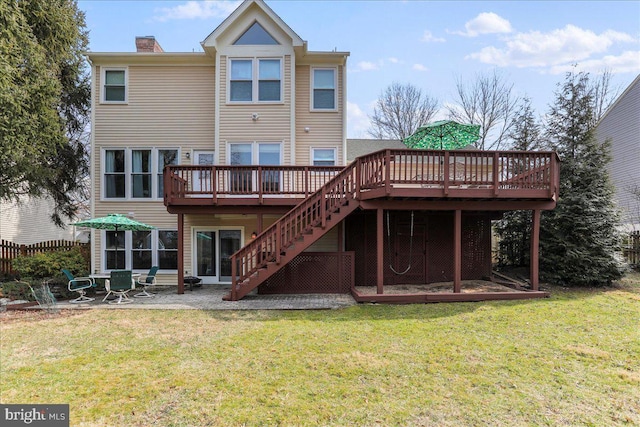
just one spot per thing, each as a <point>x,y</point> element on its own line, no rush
<point>400,111</point>
<point>487,102</point>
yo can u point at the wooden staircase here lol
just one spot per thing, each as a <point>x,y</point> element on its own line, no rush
<point>293,233</point>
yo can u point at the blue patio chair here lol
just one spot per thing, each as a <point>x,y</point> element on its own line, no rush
<point>146,281</point>
<point>119,283</point>
<point>80,285</point>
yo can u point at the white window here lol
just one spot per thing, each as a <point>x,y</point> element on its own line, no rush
<point>141,174</point>
<point>129,173</point>
<point>114,174</point>
<point>165,158</point>
<point>256,35</point>
<point>140,250</point>
<point>167,253</point>
<point>255,153</point>
<point>241,85</point>
<point>114,88</point>
<point>323,156</point>
<point>255,80</point>
<point>323,84</point>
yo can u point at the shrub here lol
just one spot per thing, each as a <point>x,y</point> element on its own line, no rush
<point>15,290</point>
<point>49,265</point>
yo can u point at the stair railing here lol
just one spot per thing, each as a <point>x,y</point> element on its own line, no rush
<point>312,212</point>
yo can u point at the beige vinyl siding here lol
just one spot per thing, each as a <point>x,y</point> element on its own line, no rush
<point>29,221</point>
<point>325,127</point>
<point>327,243</point>
<point>237,125</point>
<point>168,107</point>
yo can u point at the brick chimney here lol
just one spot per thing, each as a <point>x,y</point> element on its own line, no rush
<point>147,44</point>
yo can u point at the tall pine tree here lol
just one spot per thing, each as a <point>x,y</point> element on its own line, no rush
<point>579,239</point>
<point>45,102</point>
<point>514,229</point>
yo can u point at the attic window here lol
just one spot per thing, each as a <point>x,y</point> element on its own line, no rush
<point>256,34</point>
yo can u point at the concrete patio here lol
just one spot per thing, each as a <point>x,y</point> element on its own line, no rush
<point>209,297</point>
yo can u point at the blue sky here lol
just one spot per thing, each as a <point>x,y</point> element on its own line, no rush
<point>430,44</point>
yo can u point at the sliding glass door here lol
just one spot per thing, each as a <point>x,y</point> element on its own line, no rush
<point>213,248</point>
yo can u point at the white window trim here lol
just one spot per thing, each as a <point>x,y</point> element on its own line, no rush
<point>128,171</point>
<point>128,248</point>
<point>335,90</point>
<point>255,80</point>
<point>103,73</point>
<point>312,154</point>
<point>255,151</point>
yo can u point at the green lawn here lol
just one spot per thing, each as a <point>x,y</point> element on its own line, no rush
<point>572,359</point>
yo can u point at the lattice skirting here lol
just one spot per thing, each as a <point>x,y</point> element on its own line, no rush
<point>313,273</point>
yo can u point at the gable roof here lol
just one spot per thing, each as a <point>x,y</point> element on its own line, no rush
<point>211,40</point>
<point>619,98</point>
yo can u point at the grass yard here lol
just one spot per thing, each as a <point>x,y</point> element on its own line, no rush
<point>570,360</point>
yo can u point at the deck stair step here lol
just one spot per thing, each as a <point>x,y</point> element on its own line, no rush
<point>301,242</point>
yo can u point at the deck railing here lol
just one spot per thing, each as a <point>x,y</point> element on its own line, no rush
<point>506,170</point>
<point>193,181</point>
<point>497,171</point>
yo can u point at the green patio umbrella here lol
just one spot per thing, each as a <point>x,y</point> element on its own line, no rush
<point>114,222</point>
<point>443,135</point>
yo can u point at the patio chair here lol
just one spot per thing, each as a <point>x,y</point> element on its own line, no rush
<point>146,281</point>
<point>80,285</point>
<point>119,283</point>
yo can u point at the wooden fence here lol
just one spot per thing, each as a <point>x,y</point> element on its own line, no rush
<point>631,248</point>
<point>9,251</point>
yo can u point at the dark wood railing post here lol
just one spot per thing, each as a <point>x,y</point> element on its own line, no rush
<point>214,184</point>
<point>496,178</point>
<point>279,239</point>
<point>387,170</point>
<point>260,186</point>
<point>446,173</point>
<point>234,278</point>
<point>323,207</point>
<point>358,177</point>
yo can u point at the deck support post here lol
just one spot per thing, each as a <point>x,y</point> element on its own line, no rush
<point>181,253</point>
<point>380,251</point>
<point>457,252</point>
<point>535,248</point>
<point>259,230</point>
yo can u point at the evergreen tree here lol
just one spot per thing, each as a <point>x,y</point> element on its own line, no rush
<point>45,101</point>
<point>578,239</point>
<point>514,229</point>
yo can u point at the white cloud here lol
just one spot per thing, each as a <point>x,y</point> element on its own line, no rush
<point>357,121</point>
<point>197,10</point>
<point>563,46</point>
<point>419,67</point>
<point>367,66</point>
<point>486,23</point>
<point>427,37</point>
<point>393,60</point>
<point>627,62</point>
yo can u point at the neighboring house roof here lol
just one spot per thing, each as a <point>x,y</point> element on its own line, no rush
<point>621,125</point>
<point>360,147</point>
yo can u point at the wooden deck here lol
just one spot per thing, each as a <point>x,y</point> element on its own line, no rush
<point>316,199</point>
<point>403,174</point>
